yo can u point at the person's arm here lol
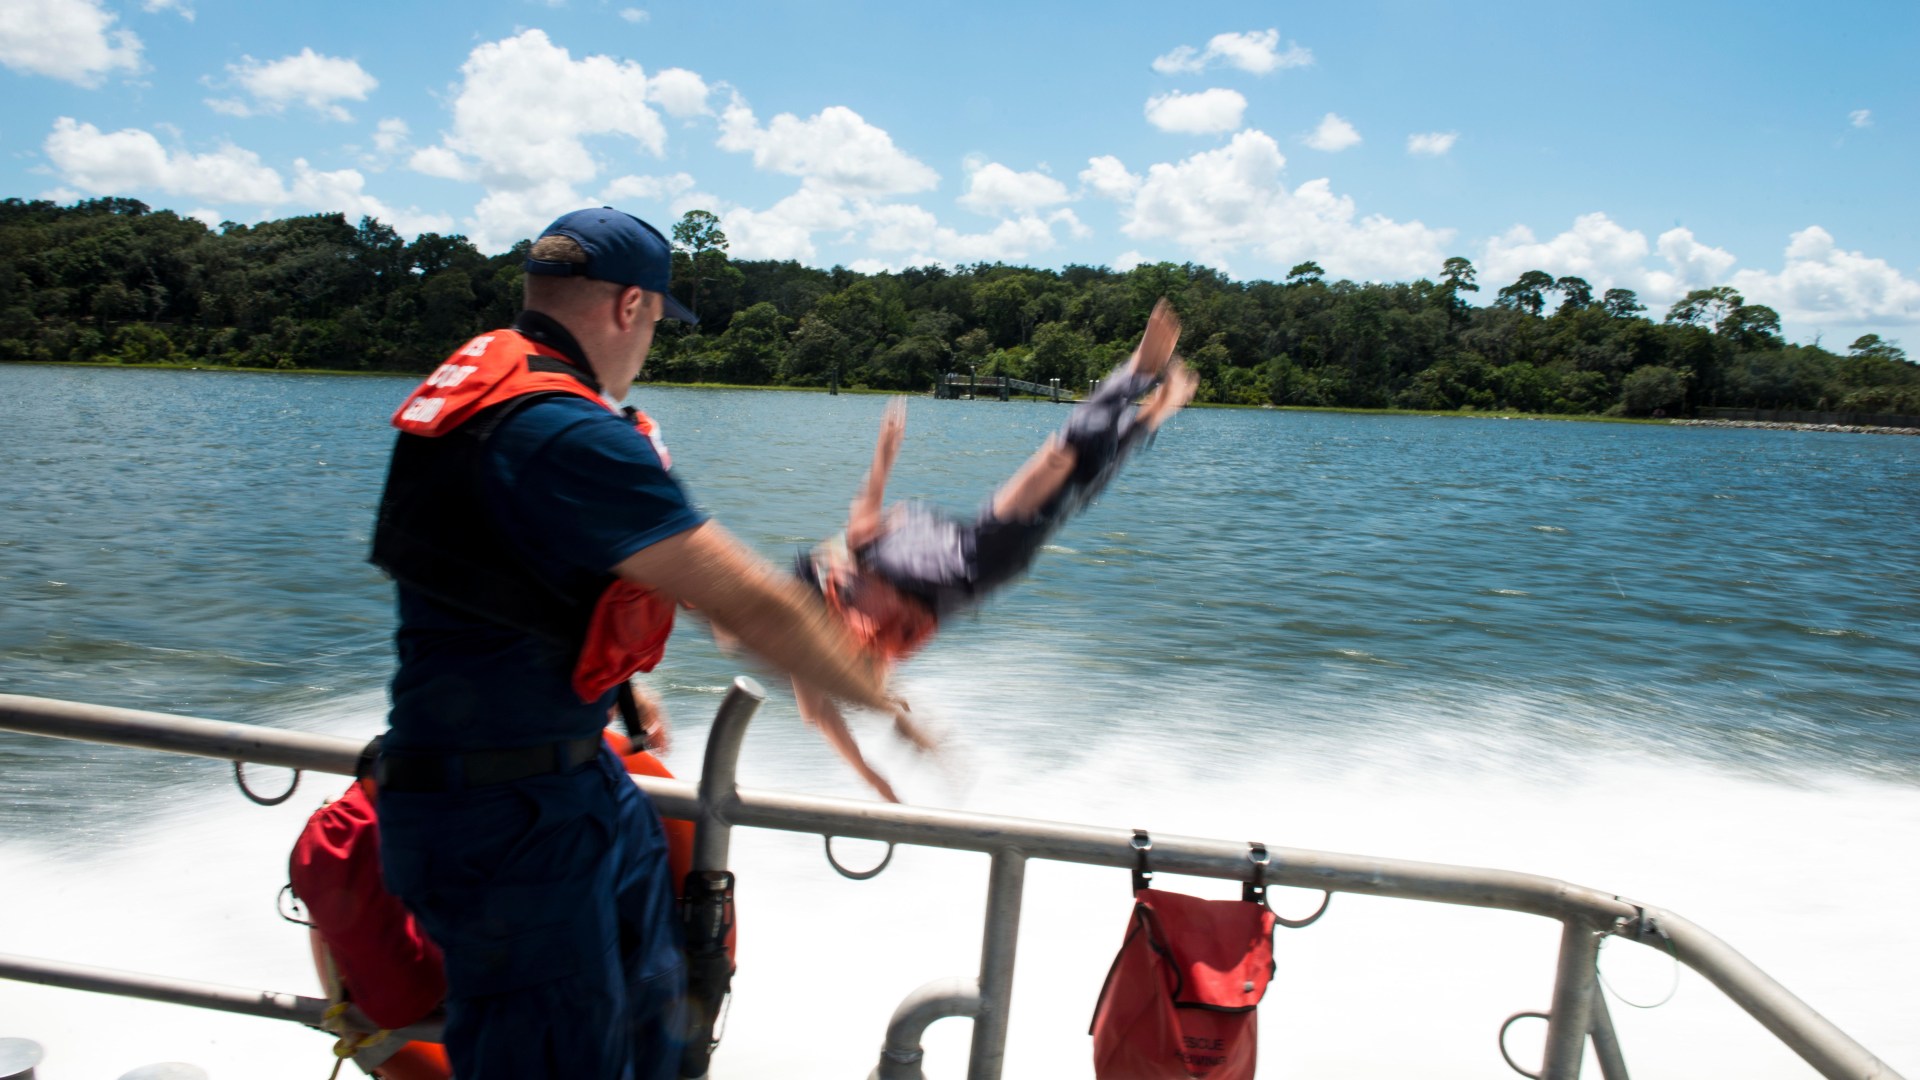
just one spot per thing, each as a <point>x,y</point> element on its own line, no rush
<point>772,614</point>
<point>819,710</point>
<point>863,520</point>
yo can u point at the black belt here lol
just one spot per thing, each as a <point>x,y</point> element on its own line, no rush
<point>480,768</point>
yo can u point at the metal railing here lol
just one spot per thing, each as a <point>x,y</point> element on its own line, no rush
<point>1578,1012</point>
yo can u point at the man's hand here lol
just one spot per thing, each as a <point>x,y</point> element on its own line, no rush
<point>768,611</point>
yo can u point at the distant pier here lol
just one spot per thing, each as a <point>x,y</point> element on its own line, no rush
<point>959,387</point>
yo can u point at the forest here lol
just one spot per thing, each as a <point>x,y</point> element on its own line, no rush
<point>113,280</point>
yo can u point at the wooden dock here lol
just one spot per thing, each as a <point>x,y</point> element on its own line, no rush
<point>959,387</point>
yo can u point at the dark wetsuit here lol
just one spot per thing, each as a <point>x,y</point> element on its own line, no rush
<point>951,564</point>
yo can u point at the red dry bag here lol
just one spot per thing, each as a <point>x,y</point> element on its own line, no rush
<point>1179,1001</point>
<point>386,963</point>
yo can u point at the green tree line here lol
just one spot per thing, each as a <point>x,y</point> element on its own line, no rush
<point>114,280</point>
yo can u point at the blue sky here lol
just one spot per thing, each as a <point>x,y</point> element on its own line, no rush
<point>1658,147</point>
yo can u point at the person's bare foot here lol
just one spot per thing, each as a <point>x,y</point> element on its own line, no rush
<point>913,733</point>
<point>1157,343</point>
<point>1173,393</point>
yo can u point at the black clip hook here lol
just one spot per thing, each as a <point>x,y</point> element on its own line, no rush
<point>1142,874</point>
<point>1255,891</point>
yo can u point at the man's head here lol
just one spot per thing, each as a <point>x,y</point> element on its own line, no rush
<point>604,275</point>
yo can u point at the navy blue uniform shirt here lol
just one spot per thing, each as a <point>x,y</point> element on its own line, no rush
<point>577,490</point>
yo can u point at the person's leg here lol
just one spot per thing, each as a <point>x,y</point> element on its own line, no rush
<point>652,963</point>
<point>1027,490</point>
<point>1096,428</point>
<point>516,884</point>
<point>819,710</point>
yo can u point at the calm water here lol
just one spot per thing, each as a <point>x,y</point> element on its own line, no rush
<point>1679,663</point>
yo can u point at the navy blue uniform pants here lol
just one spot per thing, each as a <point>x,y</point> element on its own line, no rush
<point>551,899</point>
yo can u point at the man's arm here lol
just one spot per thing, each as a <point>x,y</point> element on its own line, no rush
<point>770,612</point>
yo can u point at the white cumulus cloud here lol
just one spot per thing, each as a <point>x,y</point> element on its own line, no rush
<point>1860,118</point>
<point>1819,285</point>
<point>893,234</point>
<point>1823,284</point>
<point>785,230</point>
<point>992,188</point>
<point>523,113</point>
<point>1595,248</point>
<point>524,105</point>
<point>178,7</point>
<point>131,161</point>
<point>1694,264</point>
<point>915,233</point>
<point>680,92</point>
<point>1107,176</point>
<point>1257,51</point>
<point>634,15</point>
<point>1432,143</point>
<point>344,191</point>
<point>677,192</point>
<point>1207,112</point>
<point>1230,200</point>
<point>71,40</point>
<point>134,162</point>
<point>306,78</point>
<point>835,149</point>
<point>646,187</point>
<point>1333,135</point>
<point>440,162</point>
<point>1608,255</point>
<point>390,135</point>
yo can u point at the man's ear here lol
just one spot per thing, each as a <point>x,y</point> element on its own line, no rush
<point>630,307</point>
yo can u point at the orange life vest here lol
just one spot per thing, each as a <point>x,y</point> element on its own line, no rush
<point>625,626</point>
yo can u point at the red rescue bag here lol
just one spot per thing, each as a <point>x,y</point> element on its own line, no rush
<point>1179,1001</point>
<point>386,964</point>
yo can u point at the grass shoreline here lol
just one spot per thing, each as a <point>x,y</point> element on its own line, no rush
<point>1476,414</point>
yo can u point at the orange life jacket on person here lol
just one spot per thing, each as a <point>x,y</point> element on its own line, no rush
<point>433,533</point>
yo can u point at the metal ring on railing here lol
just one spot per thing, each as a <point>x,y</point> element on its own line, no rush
<point>240,777</point>
<point>1515,1066</point>
<point>1326,899</point>
<point>1255,891</point>
<point>1650,928</point>
<point>856,875</point>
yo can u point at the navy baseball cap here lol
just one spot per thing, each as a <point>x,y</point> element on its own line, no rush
<point>620,248</point>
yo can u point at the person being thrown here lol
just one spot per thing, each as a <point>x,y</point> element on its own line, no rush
<point>893,577</point>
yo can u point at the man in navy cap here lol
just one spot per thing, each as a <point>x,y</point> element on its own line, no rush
<point>540,547</point>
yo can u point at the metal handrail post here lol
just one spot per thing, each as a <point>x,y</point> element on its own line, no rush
<point>1792,1021</point>
<point>713,829</point>
<point>900,1055</point>
<point>1606,1044</point>
<point>999,939</point>
<point>1573,992</point>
